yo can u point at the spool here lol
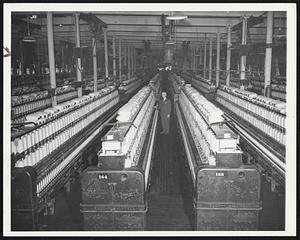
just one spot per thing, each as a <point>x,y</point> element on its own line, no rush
<point>44,132</point>
<point>30,160</point>
<point>13,148</point>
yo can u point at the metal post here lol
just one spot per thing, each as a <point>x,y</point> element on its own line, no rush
<point>204,61</point>
<point>194,54</point>
<point>105,52</point>
<point>228,60</point>
<point>200,56</point>
<point>277,66</point>
<point>94,63</point>
<point>191,59</point>
<point>210,59</point>
<point>243,57</point>
<point>218,60</point>
<point>120,61</point>
<point>132,49</point>
<point>51,56</point>
<point>134,60</point>
<point>114,57</point>
<point>268,57</point>
<point>196,59</point>
<point>63,57</point>
<point>78,68</point>
<point>128,62</point>
<point>125,56</point>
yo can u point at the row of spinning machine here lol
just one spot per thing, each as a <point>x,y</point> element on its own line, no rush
<point>226,192</point>
<point>47,153</point>
<point>114,192</point>
<point>259,120</point>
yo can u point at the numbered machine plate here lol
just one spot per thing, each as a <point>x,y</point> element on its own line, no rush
<point>112,187</point>
<point>113,200</point>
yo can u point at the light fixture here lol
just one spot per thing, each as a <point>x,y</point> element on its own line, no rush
<point>28,38</point>
<point>176,17</point>
<point>33,17</point>
<point>170,42</point>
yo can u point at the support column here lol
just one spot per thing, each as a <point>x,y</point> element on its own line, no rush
<point>51,56</point>
<point>218,60</point>
<point>191,59</point>
<point>228,59</point>
<point>268,57</point>
<point>128,62</point>
<point>63,57</point>
<point>210,59</point>
<point>132,64</point>
<point>277,66</point>
<point>120,61</point>
<point>200,56</point>
<point>125,57</point>
<point>78,68</point>
<point>94,45</point>
<point>114,57</point>
<point>195,59</point>
<point>134,60</point>
<point>204,60</point>
<point>105,52</point>
<point>243,58</point>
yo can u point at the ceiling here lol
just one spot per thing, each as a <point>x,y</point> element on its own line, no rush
<point>132,27</point>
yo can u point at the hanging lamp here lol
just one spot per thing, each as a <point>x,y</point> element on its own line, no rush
<point>28,38</point>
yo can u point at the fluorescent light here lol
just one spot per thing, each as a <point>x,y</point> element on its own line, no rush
<point>29,39</point>
<point>170,42</point>
<point>176,17</point>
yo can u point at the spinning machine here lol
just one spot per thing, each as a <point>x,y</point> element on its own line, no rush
<point>226,191</point>
<point>47,154</point>
<point>49,150</point>
<point>260,122</point>
<point>114,194</point>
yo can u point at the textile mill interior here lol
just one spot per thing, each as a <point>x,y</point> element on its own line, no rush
<point>148,120</point>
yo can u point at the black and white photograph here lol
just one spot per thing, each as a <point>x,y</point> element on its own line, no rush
<point>149,119</point>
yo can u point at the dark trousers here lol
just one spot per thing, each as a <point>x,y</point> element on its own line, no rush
<point>165,122</point>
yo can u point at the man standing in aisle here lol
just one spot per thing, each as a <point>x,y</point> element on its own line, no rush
<point>165,111</point>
